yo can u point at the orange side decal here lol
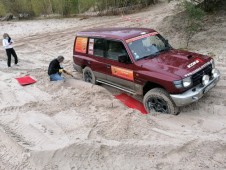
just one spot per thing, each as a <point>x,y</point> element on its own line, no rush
<point>123,73</point>
<point>81,44</point>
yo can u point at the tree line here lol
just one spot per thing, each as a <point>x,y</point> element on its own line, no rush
<point>207,5</point>
<point>68,7</point>
<point>64,7</point>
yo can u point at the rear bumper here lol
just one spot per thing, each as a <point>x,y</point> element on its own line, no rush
<point>194,94</point>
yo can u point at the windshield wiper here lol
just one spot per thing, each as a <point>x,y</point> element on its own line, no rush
<point>150,55</point>
<point>155,54</point>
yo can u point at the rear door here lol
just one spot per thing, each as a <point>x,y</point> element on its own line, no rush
<point>96,52</point>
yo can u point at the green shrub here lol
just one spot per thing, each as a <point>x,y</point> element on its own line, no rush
<point>193,11</point>
<point>194,19</point>
<point>2,9</point>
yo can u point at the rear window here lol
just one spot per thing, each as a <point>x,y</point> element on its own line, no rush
<point>81,44</point>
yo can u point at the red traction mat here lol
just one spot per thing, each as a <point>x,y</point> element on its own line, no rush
<point>26,80</point>
<point>131,102</point>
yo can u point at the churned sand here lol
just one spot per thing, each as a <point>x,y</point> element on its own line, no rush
<point>76,125</point>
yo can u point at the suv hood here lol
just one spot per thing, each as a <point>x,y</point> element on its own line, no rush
<point>176,62</point>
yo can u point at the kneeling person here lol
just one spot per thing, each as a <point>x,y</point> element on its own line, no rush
<point>55,70</point>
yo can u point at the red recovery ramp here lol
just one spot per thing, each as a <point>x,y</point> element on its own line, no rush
<point>26,80</point>
<point>131,102</point>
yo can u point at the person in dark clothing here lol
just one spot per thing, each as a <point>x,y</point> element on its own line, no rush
<point>55,70</point>
<point>7,44</point>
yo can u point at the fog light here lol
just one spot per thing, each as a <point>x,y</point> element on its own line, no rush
<point>215,73</point>
<point>205,80</point>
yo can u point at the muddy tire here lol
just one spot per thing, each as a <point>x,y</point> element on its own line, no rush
<point>88,75</point>
<point>157,100</point>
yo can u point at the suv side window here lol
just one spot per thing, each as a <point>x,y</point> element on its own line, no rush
<point>114,49</point>
<point>81,44</point>
<point>98,48</point>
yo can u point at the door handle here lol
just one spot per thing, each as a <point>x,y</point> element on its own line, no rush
<point>108,65</point>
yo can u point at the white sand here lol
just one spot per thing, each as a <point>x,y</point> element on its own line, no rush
<point>76,125</point>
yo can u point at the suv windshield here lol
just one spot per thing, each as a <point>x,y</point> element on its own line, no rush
<point>147,45</point>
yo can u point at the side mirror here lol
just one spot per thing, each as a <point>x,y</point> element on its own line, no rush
<point>124,59</point>
<point>167,42</point>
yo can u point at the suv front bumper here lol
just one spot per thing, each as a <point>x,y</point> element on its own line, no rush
<point>194,94</point>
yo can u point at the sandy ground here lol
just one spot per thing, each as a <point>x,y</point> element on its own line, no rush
<point>75,125</point>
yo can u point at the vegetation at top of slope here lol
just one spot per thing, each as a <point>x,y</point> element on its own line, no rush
<point>192,18</point>
<point>64,7</point>
<point>196,11</point>
<point>209,5</point>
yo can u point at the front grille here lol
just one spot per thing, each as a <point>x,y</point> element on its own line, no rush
<point>197,77</point>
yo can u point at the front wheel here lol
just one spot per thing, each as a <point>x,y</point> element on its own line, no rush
<point>88,75</point>
<point>158,100</point>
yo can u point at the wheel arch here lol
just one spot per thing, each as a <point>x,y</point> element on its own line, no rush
<point>150,85</point>
<point>83,66</point>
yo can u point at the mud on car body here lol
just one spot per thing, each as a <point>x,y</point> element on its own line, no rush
<point>140,61</point>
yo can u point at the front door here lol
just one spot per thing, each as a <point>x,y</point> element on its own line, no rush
<point>118,73</point>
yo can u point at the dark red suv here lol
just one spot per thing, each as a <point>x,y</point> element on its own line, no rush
<point>140,61</point>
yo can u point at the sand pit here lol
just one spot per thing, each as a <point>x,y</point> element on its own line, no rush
<point>76,125</point>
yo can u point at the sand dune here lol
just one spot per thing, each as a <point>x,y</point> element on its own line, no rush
<point>76,125</point>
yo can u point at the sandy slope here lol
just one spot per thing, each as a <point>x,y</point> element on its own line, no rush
<point>75,125</point>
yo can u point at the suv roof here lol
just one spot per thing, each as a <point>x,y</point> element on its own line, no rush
<point>116,33</point>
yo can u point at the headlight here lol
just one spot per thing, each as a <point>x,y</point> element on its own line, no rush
<point>184,83</point>
<point>212,62</point>
<point>187,82</point>
<point>205,80</point>
<point>215,73</point>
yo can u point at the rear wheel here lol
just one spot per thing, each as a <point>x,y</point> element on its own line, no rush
<point>158,100</point>
<point>88,75</point>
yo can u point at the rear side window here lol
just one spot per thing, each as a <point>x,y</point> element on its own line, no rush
<point>81,44</point>
<point>106,48</point>
<point>98,47</point>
